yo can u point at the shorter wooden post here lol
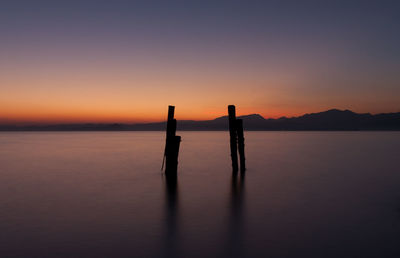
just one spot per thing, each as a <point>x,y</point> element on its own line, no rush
<point>171,166</point>
<point>233,136</point>
<point>239,128</point>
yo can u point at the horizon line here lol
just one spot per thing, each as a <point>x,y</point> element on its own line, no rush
<point>38,123</point>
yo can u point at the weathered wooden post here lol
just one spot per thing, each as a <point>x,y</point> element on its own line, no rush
<point>172,144</point>
<point>171,164</point>
<point>233,136</point>
<point>239,128</point>
<point>171,112</point>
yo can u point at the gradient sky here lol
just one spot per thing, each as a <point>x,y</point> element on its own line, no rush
<point>125,61</point>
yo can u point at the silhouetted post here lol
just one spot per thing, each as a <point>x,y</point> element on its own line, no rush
<point>232,134</point>
<point>171,165</point>
<point>239,128</point>
<point>171,124</point>
<point>172,144</point>
<point>171,111</point>
<point>171,128</point>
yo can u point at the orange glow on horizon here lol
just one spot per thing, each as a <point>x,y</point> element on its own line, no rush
<point>78,92</point>
<point>59,115</point>
<point>74,116</point>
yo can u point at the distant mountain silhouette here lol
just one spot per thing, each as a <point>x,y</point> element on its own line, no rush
<point>331,120</point>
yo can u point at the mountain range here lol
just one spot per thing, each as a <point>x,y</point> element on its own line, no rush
<point>331,120</point>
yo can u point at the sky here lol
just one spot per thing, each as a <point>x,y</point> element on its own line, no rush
<point>126,61</point>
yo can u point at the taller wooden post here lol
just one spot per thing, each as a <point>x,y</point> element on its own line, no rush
<point>233,137</point>
<point>172,144</point>
<point>171,112</point>
<point>239,129</point>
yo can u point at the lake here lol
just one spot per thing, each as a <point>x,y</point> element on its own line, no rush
<point>102,194</point>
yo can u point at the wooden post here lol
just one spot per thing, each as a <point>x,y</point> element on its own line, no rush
<point>171,124</point>
<point>171,165</point>
<point>172,144</point>
<point>239,128</point>
<point>171,128</point>
<point>171,111</point>
<point>233,136</point>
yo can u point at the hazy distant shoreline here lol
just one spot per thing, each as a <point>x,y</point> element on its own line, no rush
<point>331,120</point>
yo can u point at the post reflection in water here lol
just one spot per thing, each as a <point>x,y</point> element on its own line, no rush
<point>171,216</point>
<point>236,219</point>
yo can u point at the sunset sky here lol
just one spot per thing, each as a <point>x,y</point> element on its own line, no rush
<point>126,61</point>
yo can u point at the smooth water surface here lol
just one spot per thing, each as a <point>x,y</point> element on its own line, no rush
<point>101,194</point>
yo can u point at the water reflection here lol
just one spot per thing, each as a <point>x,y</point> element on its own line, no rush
<point>301,207</point>
<point>171,216</point>
<point>236,216</point>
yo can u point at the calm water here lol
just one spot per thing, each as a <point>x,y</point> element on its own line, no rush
<point>101,194</point>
